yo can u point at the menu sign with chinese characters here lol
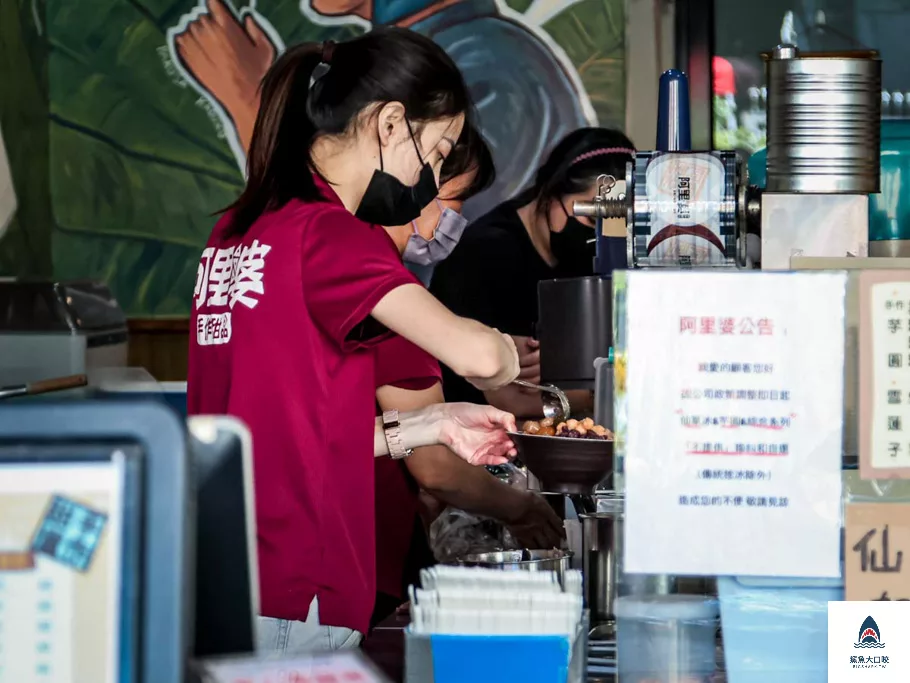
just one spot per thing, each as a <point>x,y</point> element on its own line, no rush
<point>884,374</point>
<point>735,414</point>
<point>877,551</point>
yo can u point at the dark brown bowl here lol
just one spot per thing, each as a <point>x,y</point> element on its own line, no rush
<point>565,465</point>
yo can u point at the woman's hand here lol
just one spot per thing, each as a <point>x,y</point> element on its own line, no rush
<point>534,524</point>
<point>477,434</point>
<point>528,360</point>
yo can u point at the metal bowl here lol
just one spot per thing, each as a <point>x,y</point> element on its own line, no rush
<point>526,560</point>
<point>565,465</point>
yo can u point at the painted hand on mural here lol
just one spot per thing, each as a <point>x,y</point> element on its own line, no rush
<point>228,55</point>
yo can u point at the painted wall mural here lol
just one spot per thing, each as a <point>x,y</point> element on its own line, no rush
<point>126,125</point>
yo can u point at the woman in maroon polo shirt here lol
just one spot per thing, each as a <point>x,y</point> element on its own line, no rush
<point>294,288</point>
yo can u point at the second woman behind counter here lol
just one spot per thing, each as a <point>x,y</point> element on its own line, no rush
<point>492,274</point>
<point>409,379</point>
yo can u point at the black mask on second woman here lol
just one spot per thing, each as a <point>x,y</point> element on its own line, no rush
<point>388,201</point>
<point>574,248</point>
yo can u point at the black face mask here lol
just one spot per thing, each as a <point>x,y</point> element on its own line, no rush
<point>574,248</point>
<point>388,201</point>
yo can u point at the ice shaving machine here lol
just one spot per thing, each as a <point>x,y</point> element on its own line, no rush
<point>693,209</point>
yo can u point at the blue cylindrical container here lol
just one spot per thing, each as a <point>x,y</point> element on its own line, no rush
<point>674,131</point>
<point>889,211</point>
<point>756,165</point>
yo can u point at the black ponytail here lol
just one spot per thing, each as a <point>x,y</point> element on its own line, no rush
<point>282,126</point>
<point>310,92</point>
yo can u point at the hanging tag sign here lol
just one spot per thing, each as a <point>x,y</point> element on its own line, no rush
<point>884,374</point>
<point>735,416</point>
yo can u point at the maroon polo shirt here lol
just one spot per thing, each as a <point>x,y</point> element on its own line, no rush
<point>282,340</point>
<point>401,364</point>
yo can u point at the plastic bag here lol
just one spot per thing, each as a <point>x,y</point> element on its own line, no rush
<point>456,533</point>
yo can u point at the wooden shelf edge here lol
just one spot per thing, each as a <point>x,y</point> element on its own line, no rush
<point>159,325</point>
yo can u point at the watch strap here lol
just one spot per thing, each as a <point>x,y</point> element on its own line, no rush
<point>391,425</point>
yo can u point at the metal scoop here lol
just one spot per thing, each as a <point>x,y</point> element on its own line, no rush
<point>555,403</point>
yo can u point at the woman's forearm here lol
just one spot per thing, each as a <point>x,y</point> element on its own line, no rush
<point>469,348</point>
<point>418,428</point>
<point>442,474</point>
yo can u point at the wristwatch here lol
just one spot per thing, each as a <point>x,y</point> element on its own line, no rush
<point>392,428</point>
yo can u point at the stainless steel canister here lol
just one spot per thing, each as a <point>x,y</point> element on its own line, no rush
<point>599,564</point>
<point>824,121</point>
<point>604,578</point>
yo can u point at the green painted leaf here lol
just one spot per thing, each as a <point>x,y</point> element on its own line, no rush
<point>136,165</point>
<point>110,78</point>
<point>592,33</point>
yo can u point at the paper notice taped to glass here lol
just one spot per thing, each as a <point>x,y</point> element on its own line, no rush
<point>735,411</point>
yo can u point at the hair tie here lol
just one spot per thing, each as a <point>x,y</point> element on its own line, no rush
<point>325,62</point>
<point>601,152</point>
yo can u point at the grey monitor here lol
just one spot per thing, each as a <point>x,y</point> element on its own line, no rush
<point>104,473</point>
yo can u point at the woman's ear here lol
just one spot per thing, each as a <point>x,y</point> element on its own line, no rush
<point>392,123</point>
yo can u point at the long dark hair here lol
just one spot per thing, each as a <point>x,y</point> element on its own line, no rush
<point>300,103</point>
<point>574,165</point>
<point>470,155</point>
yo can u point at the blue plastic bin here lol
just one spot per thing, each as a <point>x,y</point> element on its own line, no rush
<point>494,658</point>
<point>776,629</point>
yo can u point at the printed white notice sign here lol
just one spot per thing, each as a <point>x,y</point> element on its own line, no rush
<point>735,412</point>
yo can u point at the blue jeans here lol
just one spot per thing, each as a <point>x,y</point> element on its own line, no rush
<point>300,637</point>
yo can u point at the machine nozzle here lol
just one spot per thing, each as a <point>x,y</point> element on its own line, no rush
<point>602,207</point>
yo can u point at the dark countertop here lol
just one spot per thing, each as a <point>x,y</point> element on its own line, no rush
<point>385,645</point>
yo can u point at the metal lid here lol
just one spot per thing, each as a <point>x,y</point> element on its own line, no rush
<point>786,51</point>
